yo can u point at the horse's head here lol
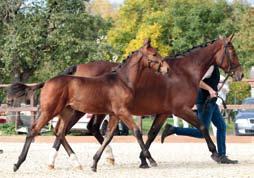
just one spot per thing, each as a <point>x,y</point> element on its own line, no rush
<point>227,59</point>
<point>152,59</point>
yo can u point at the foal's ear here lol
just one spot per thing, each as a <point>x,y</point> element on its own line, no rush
<point>147,42</point>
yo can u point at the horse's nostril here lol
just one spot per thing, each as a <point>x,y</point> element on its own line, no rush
<point>242,75</point>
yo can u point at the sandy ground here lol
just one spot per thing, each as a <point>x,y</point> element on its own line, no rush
<point>174,160</point>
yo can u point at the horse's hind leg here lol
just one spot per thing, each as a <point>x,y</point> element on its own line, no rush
<point>37,126</point>
<point>153,132</point>
<point>188,115</point>
<point>94,128</point>
<point>65,121</point>
<point>113,121</point>
<point>73,119</point>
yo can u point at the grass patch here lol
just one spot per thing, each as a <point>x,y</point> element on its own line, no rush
<point>7,128</point>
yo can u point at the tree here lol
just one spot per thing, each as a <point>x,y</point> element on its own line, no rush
<point>195,22</point>
<point>39,40</point>
<point>173,25</point>
<point>102,8</point>
<point>244,38</point>
<point>21,33</point>
<point>137,20</point>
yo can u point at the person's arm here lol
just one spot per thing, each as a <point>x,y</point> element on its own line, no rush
<point>204,86</point>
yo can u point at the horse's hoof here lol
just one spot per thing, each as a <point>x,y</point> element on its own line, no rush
<point>154,164</point>
<point>51,167</point>
<point>215,157</point>
<point>144,166</point>
<point>80,168</point>
<point>15,167</point>
<point>111,161</point>
<point>93,168</point>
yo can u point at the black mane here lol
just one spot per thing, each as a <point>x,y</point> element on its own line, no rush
<point>177,55</point>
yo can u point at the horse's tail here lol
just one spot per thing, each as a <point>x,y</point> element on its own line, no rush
<point>70,70</point>
<point>19,89</point>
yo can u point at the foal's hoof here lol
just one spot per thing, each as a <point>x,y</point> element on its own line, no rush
<point>111,161</point>
<point>94,169</point>
<point>15,167</point>
<point>144,166</point>
<point>154,164</point>
<point>51,167</point>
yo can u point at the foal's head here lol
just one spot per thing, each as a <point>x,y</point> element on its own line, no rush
<point>227,59</point>
<point>152,59</point>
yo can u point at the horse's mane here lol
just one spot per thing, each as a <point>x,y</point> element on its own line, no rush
<point>124,61</point>
<point>189,51</point>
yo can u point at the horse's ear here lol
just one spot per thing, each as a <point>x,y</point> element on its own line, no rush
<point>147,42</point>
<point>229,39</point>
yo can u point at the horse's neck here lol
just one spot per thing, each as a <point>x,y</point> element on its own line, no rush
<point>198,62</point>
<point>130,72</point>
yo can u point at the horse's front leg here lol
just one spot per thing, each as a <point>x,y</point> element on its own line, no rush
<point>113,121</point>
<point>188,115</point>
<point>158,121</point>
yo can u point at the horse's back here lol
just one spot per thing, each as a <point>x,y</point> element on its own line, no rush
<point>95,68</point>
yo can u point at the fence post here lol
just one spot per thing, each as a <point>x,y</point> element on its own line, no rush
<point>17,120</point>
<point>32,105</point>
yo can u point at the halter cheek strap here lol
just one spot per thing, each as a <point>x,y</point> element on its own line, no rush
<point>230,69</point>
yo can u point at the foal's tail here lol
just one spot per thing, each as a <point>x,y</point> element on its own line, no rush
<point>19,89</point>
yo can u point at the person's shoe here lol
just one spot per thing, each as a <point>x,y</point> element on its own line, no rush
<point>225,160</point>
<point>168,130</point>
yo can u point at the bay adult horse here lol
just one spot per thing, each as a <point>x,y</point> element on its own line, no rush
<point>108,94</point>
<point>178,93</point>
<point>163,95</point>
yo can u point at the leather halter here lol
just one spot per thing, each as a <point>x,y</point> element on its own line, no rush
<point>155,62</point>
<point>230,69</point>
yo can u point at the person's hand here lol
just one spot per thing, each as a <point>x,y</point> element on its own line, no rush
<point>212,93</point>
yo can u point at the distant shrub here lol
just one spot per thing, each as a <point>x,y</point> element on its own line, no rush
<point>237,92</point>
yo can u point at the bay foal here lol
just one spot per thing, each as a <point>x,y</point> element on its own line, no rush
<point>111,94</point>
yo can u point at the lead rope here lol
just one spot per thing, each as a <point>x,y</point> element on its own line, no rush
<point>214,98</point>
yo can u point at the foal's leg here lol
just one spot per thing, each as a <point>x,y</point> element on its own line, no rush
<point>128,120</point>
<point>94,128</point>
<point>113,121</point>
<point>153,132</point>
<point>65,125</point>
<point>188,115</point>
<point>37,126</point>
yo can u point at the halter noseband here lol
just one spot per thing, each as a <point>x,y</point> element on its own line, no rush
<point>155,62</point>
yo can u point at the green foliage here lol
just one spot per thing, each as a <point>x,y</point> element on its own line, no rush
<point>238,92</point>
<point>7,128</point>
<point>42,39</point>
<point>173,25</point>
<point>195,22</point>
<point>140,19</point>
<point>245,39</point>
